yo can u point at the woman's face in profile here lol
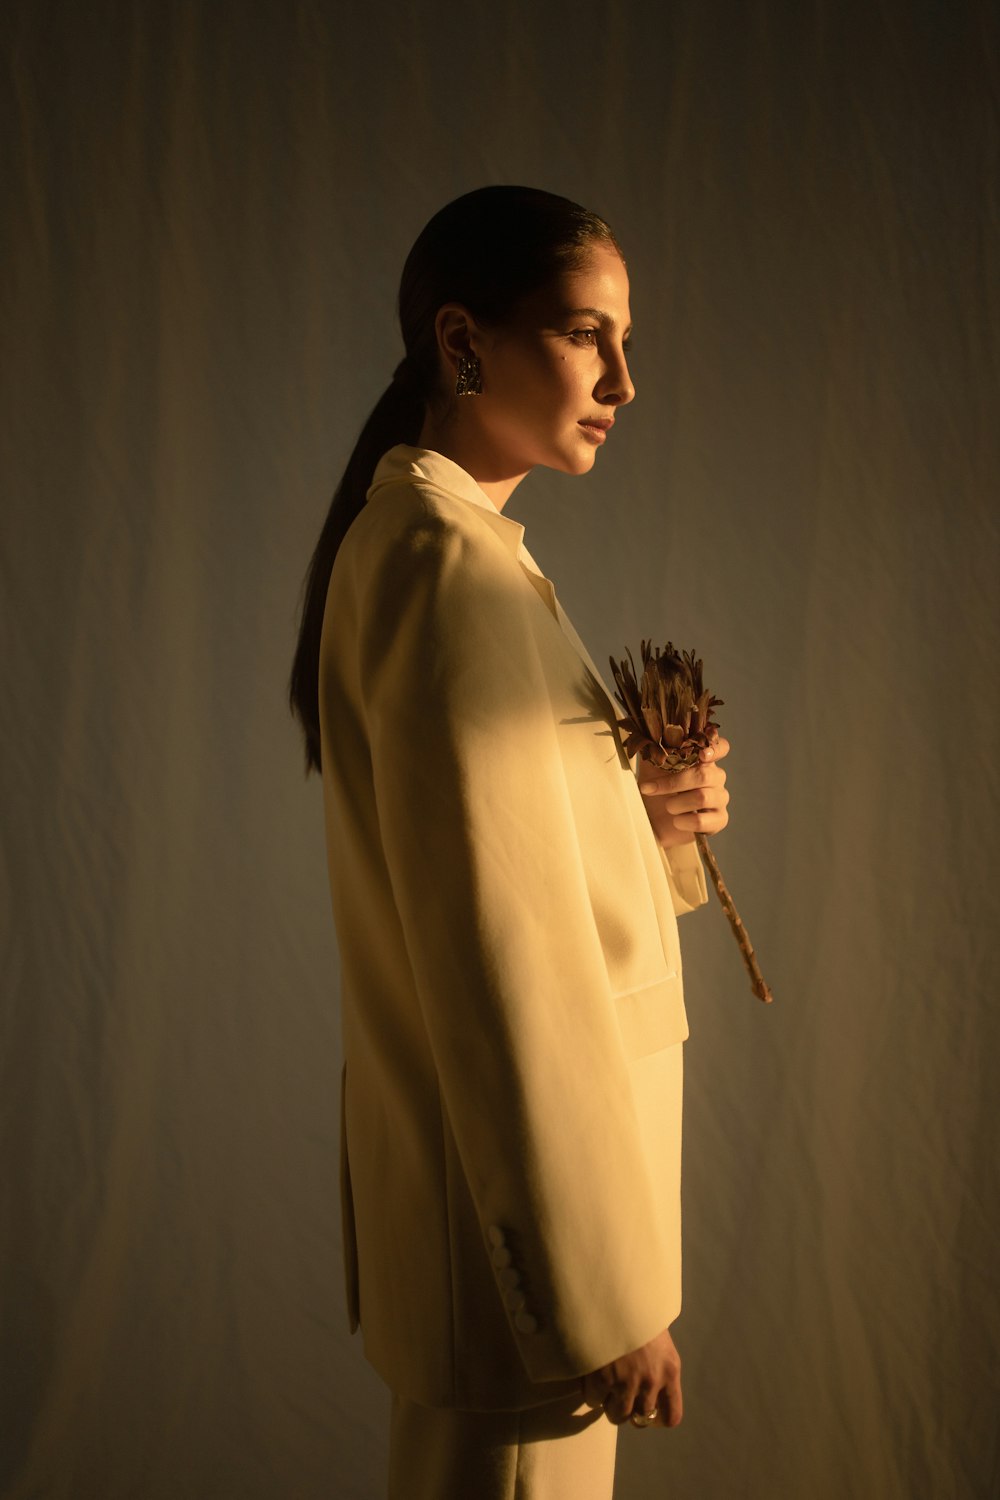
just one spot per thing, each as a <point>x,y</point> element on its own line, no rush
<point>554,378</point>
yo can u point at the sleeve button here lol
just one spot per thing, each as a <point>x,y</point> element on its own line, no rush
<point>525,1323</point>
<point>495,1235</point>
<point>501,1257</point>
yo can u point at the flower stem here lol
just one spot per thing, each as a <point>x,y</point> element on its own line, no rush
<point>740,933</point>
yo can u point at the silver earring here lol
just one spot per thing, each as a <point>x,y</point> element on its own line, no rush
<point>470,376</point>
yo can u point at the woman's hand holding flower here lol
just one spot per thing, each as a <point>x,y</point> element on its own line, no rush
<point>681,804</point>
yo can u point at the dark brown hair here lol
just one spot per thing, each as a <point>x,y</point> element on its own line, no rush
<point>488,251</point>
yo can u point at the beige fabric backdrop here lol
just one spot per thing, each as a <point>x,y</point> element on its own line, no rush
<point>205,210</point>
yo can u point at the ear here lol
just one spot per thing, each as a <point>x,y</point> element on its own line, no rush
<point>458,334</point>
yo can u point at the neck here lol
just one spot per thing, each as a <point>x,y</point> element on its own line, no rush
<point>495,475</point>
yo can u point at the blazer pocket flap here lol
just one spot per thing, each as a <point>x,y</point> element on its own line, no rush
<point>652,1017</point>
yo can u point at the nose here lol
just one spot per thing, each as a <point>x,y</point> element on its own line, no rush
<point>615,386</point>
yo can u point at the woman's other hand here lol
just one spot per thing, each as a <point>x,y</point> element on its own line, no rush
<point>683,803</point>
<point>645,1384</point>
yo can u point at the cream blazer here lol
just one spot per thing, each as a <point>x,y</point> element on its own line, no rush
<point>511,976</point>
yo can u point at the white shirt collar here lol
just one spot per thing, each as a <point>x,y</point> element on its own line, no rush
<point>406,462</point>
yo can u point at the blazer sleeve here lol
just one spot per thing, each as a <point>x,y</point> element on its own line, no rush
<point>482,852</point>
<point>685,876</point>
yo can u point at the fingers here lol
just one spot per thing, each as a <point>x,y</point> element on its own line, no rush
<point>645,1407</point>
<point>618,1398</point>
<point>594,1389</point>
<point>620,1402</point>
<point>656,783</point>
<point>699,812</point>
<point>716,751</point>
<point>702,810</point>
<point>644,1404</point>
<point>644,1385</point>
<point>694,801</point>
<point>671,1402</point>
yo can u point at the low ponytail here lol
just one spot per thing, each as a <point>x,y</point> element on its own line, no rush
<point>397,417</point>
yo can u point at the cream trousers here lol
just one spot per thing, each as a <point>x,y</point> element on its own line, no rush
<point>560,1451</point>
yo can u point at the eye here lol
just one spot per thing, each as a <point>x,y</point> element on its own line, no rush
<point>585,336</point>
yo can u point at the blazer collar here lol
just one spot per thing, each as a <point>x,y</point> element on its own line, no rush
<point>421,464</point>
<point>416,464</point>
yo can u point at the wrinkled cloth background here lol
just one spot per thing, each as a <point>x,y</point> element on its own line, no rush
<point>206,209</point>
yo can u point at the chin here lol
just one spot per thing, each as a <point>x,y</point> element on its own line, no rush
<point>572,466</point>
<point>582,463</point>
<point>577,460</point>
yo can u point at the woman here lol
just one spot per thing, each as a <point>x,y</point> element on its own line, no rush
<point>504,893</point>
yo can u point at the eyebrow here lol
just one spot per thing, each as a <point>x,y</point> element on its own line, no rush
<point>605,319</point>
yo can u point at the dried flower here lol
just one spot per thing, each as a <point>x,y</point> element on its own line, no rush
<point>668,712</point>
<point>668,721</point>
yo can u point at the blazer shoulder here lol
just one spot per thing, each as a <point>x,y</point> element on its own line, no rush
<point>411,530</point>
<point>413,508</point>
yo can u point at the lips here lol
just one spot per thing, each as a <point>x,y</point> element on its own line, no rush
<point>597,427</point>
